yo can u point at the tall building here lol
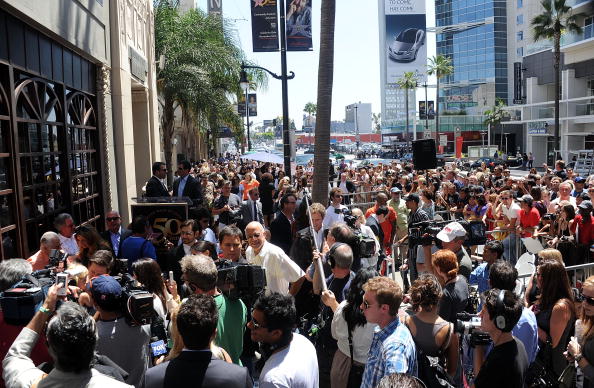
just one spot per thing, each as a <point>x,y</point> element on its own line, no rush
<point>472,33</point>
<point>78,113</point>
<point>357,117</point>
<point>534,110</point>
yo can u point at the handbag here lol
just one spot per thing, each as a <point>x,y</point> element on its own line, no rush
<point>540,373</point>
<point>567,377</point>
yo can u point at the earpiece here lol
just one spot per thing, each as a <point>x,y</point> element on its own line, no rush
<point>330,255</point>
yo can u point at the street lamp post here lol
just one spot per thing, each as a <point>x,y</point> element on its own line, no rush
<point>357,138</point>
<point>245,86</point>
<point>283,77</point>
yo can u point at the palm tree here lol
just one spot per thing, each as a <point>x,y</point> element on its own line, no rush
<point>324,102</point>
<point>407,81</point>
<point>556,19</point>
<point>310,108</point>
<point>377,122</point>
<point>202,69</point>
<point>494,117</point>
<point>439,66</point>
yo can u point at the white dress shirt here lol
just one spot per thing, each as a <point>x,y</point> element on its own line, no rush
<point>332,217</point>
<point>280,269</point>
<point>68,245</point>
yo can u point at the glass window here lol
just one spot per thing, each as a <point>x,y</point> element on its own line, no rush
<point>520,19</point>
<point>519,36</point>
<point>520,3</point>
<point>520,51</point>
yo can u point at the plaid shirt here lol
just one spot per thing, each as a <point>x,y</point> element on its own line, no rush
<point>392,351</point>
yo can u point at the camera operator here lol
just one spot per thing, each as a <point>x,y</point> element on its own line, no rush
<point>48,241</point>
<point>415,216</point>
<point>227,206</point>
<point>506,364</point>
<point>200,274</point>
<point>452,237</point>
<point>124,344</point>
<point>375,219</point>
<point>280,269</point>
<point>340,232</point>
<point>11,272</point>
<point>334,212</point>
<point>366,231</point>
<point>72,341</point>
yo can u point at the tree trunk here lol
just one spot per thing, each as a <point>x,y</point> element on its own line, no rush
<point>437,114</point>
<point>407,123</point>
<point>324,102</point>
<point>557,66</point>
<point>167,123</point>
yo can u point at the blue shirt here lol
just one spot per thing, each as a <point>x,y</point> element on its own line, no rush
<point>392,351</point>
<point>134,248</point>
<point>480,277</point>
<point>115,241</point>
<point>182,186</point>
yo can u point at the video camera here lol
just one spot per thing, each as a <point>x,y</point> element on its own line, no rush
<point>240,281</point>
<point>20,302</point>
<point>136,302</point>
<point>363,246</point>
<point>56,257</point>
<point>424,233</point>
<point>468,324</point>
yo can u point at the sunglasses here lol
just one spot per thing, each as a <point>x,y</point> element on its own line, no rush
<point>366,304</point>
<point>112,218</point>
<point>255,324</point>
<point>587,299</point>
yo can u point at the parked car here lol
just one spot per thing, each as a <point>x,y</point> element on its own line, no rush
<point>406,45</point>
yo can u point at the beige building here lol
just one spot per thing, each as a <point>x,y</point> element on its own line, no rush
<point>78,113</point>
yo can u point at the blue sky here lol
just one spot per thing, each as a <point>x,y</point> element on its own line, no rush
<point>356,59</point>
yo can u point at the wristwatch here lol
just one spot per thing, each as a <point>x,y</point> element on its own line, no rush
<point>578,357</point>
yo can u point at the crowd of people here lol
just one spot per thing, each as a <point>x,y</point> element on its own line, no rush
<point>373,288</point>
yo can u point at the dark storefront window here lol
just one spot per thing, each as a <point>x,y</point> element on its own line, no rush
<point>49,148</point>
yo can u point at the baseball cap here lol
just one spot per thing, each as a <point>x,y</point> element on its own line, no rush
<point>106,292</point>
<point>395,190</point>
<point>451,231</point>
<point>579,179</point>
<point>526,198</point>
<point>586,205</point>
<point>412,197</point>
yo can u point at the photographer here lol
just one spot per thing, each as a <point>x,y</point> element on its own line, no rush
<point>127,346</point>
<point>200,275</point>
<point>502,310</point>
<point>227,206</point>
<point>366,231</point>
<point>415,216</point>
<point>48,241</point>
<point>71,339</point>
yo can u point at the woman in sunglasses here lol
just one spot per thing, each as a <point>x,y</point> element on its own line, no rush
<point>555,315</point>
<point>581,347</point>
<point>89,241</point>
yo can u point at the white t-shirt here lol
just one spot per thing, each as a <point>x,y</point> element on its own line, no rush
<point>512,212</point>
<point>280,269</point>
<point>68,245</point>
<point>296,366</point>
<point>555,203</point>
<point>362,336</point>
<point>332,217</point>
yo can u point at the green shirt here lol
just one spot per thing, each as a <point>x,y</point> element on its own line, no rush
<point>401,213</point>
<point>231,326</point>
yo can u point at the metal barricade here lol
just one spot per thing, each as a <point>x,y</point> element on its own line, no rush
<point>578,272</point>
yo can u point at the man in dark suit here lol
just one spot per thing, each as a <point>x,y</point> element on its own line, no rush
<point>114,233</point>
<point>375,219</point>
<point>251,210</point>
<point>196,366</point>
<point>347,187</point>
<point>155,186</point>
<point>186,185</point>
<point>190,232</point>
<point>281,229</point>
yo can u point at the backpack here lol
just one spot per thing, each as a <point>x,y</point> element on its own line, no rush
<point>430,370</point>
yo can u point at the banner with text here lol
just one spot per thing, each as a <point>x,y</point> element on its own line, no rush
<point>264,25</point>
<point>215,7</point>
<point>298,25</point>
<point>406,38</point>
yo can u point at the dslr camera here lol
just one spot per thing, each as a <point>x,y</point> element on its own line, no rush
<point>468,325</point>
<point>136,302</point>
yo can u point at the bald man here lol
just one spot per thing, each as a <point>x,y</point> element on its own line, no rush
<point>280,269</point>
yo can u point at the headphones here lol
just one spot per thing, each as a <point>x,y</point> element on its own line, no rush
<point>330,255</point>
<point>500,321</point>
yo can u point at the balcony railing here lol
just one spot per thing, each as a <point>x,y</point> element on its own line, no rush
<point>587,33</point>
<point>584,109</point>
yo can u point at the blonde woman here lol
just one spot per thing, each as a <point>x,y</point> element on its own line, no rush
<point>581,347</point>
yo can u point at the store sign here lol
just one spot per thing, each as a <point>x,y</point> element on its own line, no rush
<point>517,82</point>
<point>537,128</point>
<point>138,64</point>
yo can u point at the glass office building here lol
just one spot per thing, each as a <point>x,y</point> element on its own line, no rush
<point>475,40</point>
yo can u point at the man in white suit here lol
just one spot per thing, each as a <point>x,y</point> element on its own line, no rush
<point>251,210</point>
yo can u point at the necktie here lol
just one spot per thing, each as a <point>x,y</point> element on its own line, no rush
<point>255,212</point>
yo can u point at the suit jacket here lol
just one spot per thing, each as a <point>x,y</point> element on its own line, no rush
<point>174,257</point>
<point>197,369</point>
<point>106,235</point>
<point>192,190</point>
<point>376,227</point>
<point>154,188</point>
<point>281,233</point>
<point>246,211</point>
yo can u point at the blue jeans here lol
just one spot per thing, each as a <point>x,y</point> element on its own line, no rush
<point>509,248</point>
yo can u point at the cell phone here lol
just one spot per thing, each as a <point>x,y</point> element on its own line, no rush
<point>62,280</point>
<point>170,275</point>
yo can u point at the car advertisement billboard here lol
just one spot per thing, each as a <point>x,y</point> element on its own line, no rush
<point>406,38</point>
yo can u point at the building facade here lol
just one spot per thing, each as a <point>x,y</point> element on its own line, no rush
<point>357,116</point>
<point>77,107</point>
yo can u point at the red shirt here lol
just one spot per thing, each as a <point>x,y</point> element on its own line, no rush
<point>586,231</point>
<point>529,219</point>
<point>387,225</point>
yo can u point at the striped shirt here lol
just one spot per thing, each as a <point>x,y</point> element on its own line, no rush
<point>392,351</point>
<point>414,231</point>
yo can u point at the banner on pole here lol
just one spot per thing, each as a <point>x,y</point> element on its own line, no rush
<point>252,104</point>
<point>264,25</point>
<point>298,25</point>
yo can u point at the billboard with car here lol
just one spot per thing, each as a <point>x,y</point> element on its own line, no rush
<point>406,38</point>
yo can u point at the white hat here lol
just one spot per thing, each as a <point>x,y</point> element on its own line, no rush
<point>451,231</point>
